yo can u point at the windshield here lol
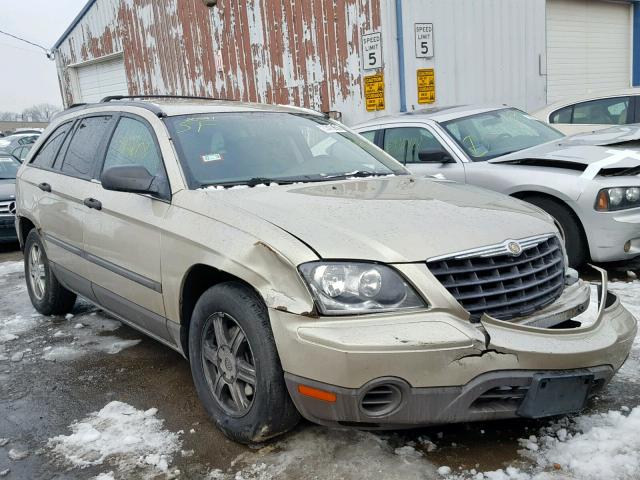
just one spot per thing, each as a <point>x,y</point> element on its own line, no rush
<point>8,167</point>
<point>499,132</point>
<point>262,147</point>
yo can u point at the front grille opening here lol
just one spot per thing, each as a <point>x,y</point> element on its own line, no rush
<point>503,286</point>
<point>566,325</point>
<point>507,396</point>
<point>381,400</point>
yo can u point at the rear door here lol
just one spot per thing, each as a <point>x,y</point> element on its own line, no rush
<point>122,237</point>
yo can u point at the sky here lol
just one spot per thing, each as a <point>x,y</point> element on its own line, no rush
<point>28,77</point>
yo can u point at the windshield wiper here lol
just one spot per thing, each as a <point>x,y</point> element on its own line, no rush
<point>356,174</point>
<point>252,182</point>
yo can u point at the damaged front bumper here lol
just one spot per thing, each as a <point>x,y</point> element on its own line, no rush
<point>432,367</point>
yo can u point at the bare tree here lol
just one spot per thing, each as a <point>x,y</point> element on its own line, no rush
<point>40,113</point>
<point>8,116</point>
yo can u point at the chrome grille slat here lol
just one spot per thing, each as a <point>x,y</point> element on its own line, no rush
<point>8,207</point>
<point>505,286</point>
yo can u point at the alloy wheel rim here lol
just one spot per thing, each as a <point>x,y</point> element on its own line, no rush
<point>37,273</point>
<point>229,365</point>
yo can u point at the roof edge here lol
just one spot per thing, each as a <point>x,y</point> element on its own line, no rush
<point>74,24</point>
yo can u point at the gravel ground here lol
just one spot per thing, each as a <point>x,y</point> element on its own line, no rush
<point>84,396</point>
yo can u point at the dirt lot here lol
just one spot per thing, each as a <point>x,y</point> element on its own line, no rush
<point>83,396</point>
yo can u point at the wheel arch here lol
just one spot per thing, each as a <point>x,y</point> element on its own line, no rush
<point>23,226</point>
<point>524,194</point>
<point>197,280</point>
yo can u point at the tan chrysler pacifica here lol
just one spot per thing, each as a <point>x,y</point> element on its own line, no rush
<point>303,271</point>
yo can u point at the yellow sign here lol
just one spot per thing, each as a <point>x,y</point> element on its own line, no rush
<point>374,92</point>
<point>426,85</point>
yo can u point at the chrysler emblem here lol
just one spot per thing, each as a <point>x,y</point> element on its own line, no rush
<point>514,248</point>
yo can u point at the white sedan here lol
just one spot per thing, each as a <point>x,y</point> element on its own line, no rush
<point>593,112</point>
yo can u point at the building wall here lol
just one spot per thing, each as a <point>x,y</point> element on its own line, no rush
<point>277,51</point>
<point>486,51</point>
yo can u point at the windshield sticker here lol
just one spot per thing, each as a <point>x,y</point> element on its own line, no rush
<point>212,157</point>
<point>330,128</point>
<point>6,160</point>
<point>195,124</point>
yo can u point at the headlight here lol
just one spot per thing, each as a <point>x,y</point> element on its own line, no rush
<point>618,198</point>
<point>343,288</point>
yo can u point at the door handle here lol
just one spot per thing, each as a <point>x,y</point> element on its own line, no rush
<point>45,187</point>
<point>93,203</point>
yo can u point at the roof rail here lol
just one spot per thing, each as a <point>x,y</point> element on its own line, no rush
<point>151,97</point>
<point>75,105</point>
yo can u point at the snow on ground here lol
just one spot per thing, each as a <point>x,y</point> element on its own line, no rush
<point>318,452</point>
<point>78,335</point>
<point>128,440</point>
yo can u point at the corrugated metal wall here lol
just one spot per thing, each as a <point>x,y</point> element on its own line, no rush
<point>486,51</point>
<point>277,51</point>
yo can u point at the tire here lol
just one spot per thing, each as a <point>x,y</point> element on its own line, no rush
<point>258,411</point>
<point>47,296</point>
<point>575,239</point>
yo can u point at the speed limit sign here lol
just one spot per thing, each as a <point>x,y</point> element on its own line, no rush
<point>424,40</point>
<point>372,51</point>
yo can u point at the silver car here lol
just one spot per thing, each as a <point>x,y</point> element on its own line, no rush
<point>589,186</point>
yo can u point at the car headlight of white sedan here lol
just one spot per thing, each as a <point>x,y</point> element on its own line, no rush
<point>343,288</point>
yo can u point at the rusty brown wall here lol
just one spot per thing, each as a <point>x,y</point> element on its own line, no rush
<point>305,52</point>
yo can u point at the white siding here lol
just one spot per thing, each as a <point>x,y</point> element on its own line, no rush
<point>588,47</point>
<point>100,79</point>
<point>486,51</point>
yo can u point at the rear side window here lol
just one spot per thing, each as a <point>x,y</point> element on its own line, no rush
<point>133,144</point>
<point>608,111</point>
<point>84,148</point>
<point>47,154</point>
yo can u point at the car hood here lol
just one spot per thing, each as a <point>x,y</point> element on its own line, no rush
<point>581,152</point>
<point>7,189</point>
<point>390,219</point>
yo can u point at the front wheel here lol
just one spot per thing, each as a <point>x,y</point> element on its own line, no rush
<point>47,295</point>
<point>235,365</point>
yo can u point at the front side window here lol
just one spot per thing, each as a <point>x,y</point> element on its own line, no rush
<point>499,132</point>
<point>562,116</point>
<point>133,144</point>
<point>405,144</point>
<point>84,148</point>
<point>258,147</point>
<point>371,136</point>
<point>47,154</point>
<point>607,111</point>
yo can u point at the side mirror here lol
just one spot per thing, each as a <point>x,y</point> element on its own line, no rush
<point>434,156</point>
<point>129,178</point>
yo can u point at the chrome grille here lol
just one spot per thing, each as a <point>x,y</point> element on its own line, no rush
<point>8,207</point>
<point>503,285</point>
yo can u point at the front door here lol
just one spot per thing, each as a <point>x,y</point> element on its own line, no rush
<point>420,151</point>
<point>122,233</point>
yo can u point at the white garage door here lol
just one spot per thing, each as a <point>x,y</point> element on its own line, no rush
<point>588,47</point>
<point>98,80</point>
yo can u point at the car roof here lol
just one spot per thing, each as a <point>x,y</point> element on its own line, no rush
<point>168,107</point>
<point>436,114</point>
